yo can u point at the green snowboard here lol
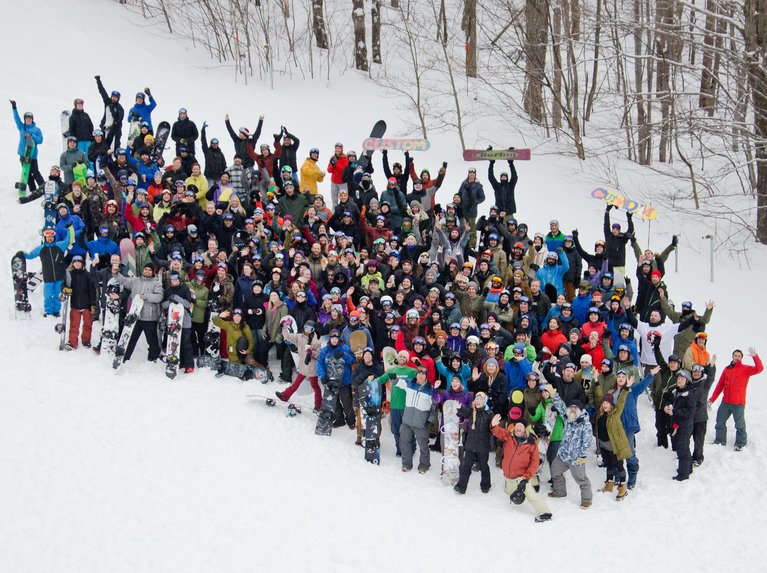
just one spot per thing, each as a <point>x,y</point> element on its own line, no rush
<point>26,165</point>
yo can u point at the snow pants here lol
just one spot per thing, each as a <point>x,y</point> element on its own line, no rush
<point>149,328</point>
<point>75,317</point>
<point>558,469</point>
<point>334,189</point>
<point>632,463</point>
<point>51,293</point>
<point>344,408</point>
<point>681,443</point>
<point>198,338</point>
<point>407,432</point>
<point>699,439</point>
<point>738,412</point>
<point>661,427</point>
<point>35,177</point>
<point>395,418</point>
<point>615,471</point>
<point>186,356</point>
<point>535,499</point>
<point>290,390</point>
<point>469,457</point>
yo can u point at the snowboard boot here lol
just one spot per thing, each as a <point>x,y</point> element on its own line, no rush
<point>608,487</point>
<point>422,470</point>
<point>542,517</point>
<point>585,504</point>
<point>485,489</point>
<point>280,396</point>
<point>739,448</point>
<point>69,347</point>
<point>555,495</point>
<point>622,492</point>
<point>460,490</point>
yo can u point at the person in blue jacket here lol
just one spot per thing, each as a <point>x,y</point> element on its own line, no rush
<point>551,272</point>
<point>103,247</point>
<point>625,336</point>
<point>629,417</point>
<point>51,253</point>
<point>64,222</point>
<point>582,301</point>
<point>344,410</point>
<point>517,368</point>
<point>141,109</point>
<point>144,166</point>
<point>28,129</point>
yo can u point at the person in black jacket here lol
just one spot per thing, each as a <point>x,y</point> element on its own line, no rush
<point>81,291</point>
<point>80,126</point>
<point>290,145</point>
<point>615,242</point>
<point>361,373</point>
<point>679,404</point>
<point>241,138</point>
<point>215,161</point>
<point>573,275</point>
<point>504,189</point>
<point>702,379</point>
<point>493,382</point>
<point>184,132</point>
<point>112,125</point>
<point>568,388</point>
<point>397,171</point>
<point>476,448</point>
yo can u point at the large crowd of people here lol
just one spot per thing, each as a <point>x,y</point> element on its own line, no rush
<point>547,344</point>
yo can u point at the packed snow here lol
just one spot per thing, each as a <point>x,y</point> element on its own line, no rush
<point>132,472</point>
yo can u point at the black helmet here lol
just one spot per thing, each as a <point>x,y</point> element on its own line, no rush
<point>518,497</point>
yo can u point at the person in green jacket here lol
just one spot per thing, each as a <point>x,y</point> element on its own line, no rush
<point>551,426</point>
<point>199,324</point>
<point>613,442</point>
<point>684,338</point>
<point>239,339</point>
<point>397,400</point>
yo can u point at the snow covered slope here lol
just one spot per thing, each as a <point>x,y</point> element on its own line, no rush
<point>134,473</point>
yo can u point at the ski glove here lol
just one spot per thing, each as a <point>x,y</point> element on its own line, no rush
<point>580,461</point>
<point>13,103</point>
<point>67,291</point>
<point>674,240</point>
<point>148,92</point>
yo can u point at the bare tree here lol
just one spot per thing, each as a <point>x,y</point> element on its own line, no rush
<point>755,12</point>
<point>469,27</point>
<point>375,30</point>
<point>318,24</point>
<point>535,44</point>
<point>360,41</point>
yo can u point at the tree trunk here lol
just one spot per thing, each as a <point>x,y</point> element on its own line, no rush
<point>535,46</point>
<point>556,50</point>
<point>595,69</point>
<point>318,24</point>
<point>360,45</point>
<point>756,55</point>
<point>706,100</point>
<point>667,51</point>
<point>643,124</point>
<point>375,24</point>
<point>469,27</point>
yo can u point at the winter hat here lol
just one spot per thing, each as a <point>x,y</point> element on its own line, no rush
<point>579,403</point>
<point>403,353</point>
<point>608,398</point>
<point>586,358</point>
<point>656,273</point>
<point>492,361</point>
<point>174,276</point>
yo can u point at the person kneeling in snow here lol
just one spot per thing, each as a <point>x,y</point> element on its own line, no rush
<point>520,462</point>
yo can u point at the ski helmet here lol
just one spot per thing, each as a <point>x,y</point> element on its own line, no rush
<point>314,150</point>
<point>140,95</point>
<point>90,174</point>
<point>286,169</point>
<point>518,497</point>
<point>71,138</point>
<point>97,132</point>
<point>115,93</point>
<point>28,114</point>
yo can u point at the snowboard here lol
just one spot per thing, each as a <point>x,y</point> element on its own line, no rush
<point>212,335</point>
<point>334,370</point>
<point>291,410</point>
<point>128,256</point>
<point>357,342</point>
<point>496,155</point>
<point>64,118</point>
<point>160,138</point>
<point>244,372</point>
<point>451,441</point>
<point>130,322</point>
<point>377,132</point>
<point>373,143</point>
<point>206,361</point>
<point>61,325</point>
<point>389,357</point>
<point>369,394</point>
<point>628,205</point>
<point>110,326</point>
<point>50,200</point>
<point>134,129</point>
<point>26,165</point>
<point>20,278</point>
<point>173,344</point>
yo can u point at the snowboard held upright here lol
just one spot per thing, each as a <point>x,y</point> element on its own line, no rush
<point>26,165</point>
<point>20,278</point>
<point>130,323</point>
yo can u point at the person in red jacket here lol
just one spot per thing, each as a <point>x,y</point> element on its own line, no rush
<point>732,385</point>
<point>520,462</point>
<point>338,163</point>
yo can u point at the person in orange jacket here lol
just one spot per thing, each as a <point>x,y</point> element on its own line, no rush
<point>732,385</point>
<point>520,462</point>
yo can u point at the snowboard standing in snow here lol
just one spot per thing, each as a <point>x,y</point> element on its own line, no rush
<point>173,345</point>
<point>26,165</point>
<point>110,326</point>
<point>128,256</point>
<point>160,138</point>
<point>134,128</point>
<point>335,373</point>
<point>61,326</point>
<point>130,322</point>
<point>64,118</point>
<point>20,278</point>
<point>370,405</point>
<point>290,322</point>
<point>451,440</point>
<point>376,133</point>
<point>211,358</point>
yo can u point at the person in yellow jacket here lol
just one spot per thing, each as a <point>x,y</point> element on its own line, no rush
<point>239,338</point>
<point>201,182</point>
<point>311,173</point>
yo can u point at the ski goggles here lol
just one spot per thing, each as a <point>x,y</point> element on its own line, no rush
<point>49,233</point>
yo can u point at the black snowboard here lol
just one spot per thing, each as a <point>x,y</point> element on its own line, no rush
<point>20,277</point>
<point>160,139</point>
<point>378,131</point>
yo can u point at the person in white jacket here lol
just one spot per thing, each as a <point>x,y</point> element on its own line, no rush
<point>647,333</point>
<point>415,420</point>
